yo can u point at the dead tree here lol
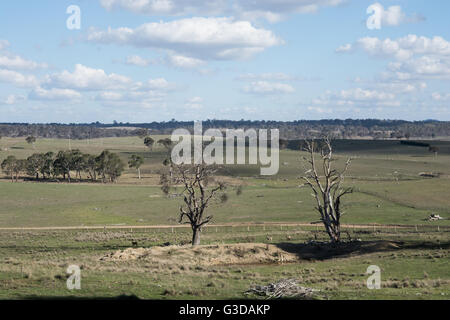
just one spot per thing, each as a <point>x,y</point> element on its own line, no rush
<point>326,184</point>
<point>199,192</point>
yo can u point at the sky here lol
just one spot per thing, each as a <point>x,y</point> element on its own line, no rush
<point>82,61</point>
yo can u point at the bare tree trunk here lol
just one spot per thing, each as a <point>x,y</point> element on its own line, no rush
<point>326,187</point>
<point>139,173</point>
<point>196,236</point>
<point>333,231</point>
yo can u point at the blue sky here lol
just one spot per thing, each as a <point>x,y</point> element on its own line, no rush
<point>154,60</point>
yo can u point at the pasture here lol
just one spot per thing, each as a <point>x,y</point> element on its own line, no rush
<point>392,200</point>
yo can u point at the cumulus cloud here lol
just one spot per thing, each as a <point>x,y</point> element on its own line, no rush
<point>156,84</point>
<point>167,7</point>
<point>109,89</point>
<point>276,10</point>
<point>359,94</point>
<point>415,57</point>
<point>183,62</point>
<point>266,87</point>
<point>354,98</point>
<point>402,48</point>
<point>436,96</point>
<point>12,99</point>
<point>195,103</point>
<point>85,78</point>
<point>320,110</point>
<point>17,62</point>
<point>345,48</point>
<point>131,99</point>
<point>393,16</point>
<point>270,10</point>
<point>18,79</point>
<point>269,76</point>
<point>4,44</point>
<point>135,96</point>
<point>401,87</point>
<point>136,60</point>
<point>199,38</point>
<point>425,67</point>
<point>54,94</point>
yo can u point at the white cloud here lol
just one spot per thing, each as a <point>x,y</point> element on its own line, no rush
<point>344,48</point>
<point>132,99</point>
<point>269,76</point>
<point>136,60</point>
<point>85,78</point>
<point>54,94</point>
<point>320,110</point>
<point>394,16</point>
<point>200,38</point>
<point>265,87</point>
<point>4,44</point>
<point>167,7</point>
<point>425,67</point>
<point>415,58</point>
<point>355,98</point>
<point>195,103</point>
<point>270,10</point>
<point>157,84</point>
<point>17,62</point>
<point>18,79</point>
<point>276,10</point>
<point>436,96</point>
<point>359,94</point>
<point>402,87</point>
<point>184,62</point>
<point>135,96</point>
<point>12,99</point>
<point>112,90</point>
<point>110,96</point>
<point>401,49</point>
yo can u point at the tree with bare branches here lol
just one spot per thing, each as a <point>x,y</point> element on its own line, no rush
<point>326,184</point>
<point>200,190</point>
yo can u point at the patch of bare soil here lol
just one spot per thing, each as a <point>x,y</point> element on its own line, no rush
<point>249,253</point>
<point>211,255</point>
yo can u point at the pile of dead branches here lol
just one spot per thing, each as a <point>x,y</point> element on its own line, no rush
<point>287,288</point>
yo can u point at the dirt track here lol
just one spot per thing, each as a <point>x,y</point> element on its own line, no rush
<point>280,224</point>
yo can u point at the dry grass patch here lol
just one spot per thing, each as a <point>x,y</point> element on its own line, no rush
<point>211,255</point>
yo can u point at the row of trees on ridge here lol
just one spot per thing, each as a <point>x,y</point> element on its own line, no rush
<point>107,166</point>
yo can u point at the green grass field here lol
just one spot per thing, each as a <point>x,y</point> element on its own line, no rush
<point>388,191</point>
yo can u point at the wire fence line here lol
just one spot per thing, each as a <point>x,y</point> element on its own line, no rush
<point>249,227</point>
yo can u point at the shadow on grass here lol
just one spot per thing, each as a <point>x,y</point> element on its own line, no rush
<point>324,251</point>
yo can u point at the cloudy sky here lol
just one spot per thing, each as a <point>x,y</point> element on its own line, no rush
<point>154,60</point>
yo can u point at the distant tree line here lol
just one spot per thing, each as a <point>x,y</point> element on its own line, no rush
<point>63,131</point>
<point>68,165</point>
<point>301,129</point>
